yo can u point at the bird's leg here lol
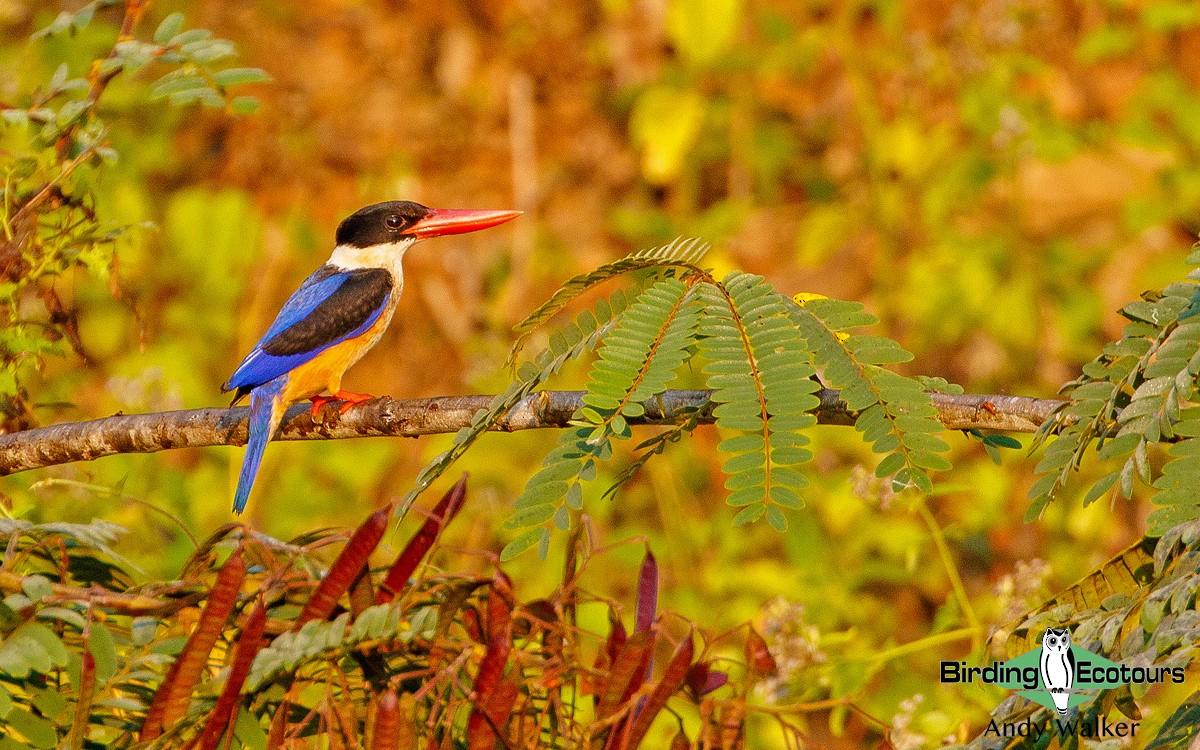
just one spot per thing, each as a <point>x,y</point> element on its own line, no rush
<point>351,399</point>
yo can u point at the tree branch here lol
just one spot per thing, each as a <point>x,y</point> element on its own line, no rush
<point>147,433</point>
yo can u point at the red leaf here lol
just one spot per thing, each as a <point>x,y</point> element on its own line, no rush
<point>673,678</point>
<point>702,679</point>
<point>647,594</point>
<point>758,656</point>
<point>492,702</point>
<point>249,643</point>
<point>171,701</point>
<point>345,568</point>
<point>419,546</point>
<point>387,722</point>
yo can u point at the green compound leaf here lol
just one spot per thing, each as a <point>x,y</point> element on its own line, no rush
<point>681,252</point>
<point>895,413</point>
<point>638,360</point>
<point>565,345</point>
<point>1134,395</point>
<point>761,373</point>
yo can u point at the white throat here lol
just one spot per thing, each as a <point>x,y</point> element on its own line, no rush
<point>387,256</point>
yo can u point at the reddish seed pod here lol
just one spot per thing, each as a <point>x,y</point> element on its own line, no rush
<point>416,549</point>
<point>758,656</point>
<point>647,593</point>
<point>387,722</point>
<point>278,726</point>
<point>174,694</point>
<point>492,698</point>
<point>248,645</point>
<point>627,674</point>
<point>672,680</point>
<point>345,568</point>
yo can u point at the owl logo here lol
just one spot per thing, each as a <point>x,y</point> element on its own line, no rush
<point>1058,666</point>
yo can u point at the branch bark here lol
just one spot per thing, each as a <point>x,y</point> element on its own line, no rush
<point>387,417</point>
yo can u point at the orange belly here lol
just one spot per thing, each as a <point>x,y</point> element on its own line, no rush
<point>323,373</point>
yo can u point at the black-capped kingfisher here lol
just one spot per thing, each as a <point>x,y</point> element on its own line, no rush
<point>335,317</point>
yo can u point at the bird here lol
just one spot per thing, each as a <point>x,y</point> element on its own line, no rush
<point>336,315</point>
<point>1058,667</point>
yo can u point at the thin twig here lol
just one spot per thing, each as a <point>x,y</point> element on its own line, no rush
<point>127,604</point>
<point>956,583</point>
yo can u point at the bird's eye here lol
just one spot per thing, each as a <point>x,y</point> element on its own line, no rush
<point>394,222</point>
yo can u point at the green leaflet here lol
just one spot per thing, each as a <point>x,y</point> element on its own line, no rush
<point>638,360</point>
<point>895,414</point>
<point>575,338</point>
<point>680,252</point>
<point>761,374</point>
<point>1135,395</point>
<point>317,640</point>
<point>32,647</point>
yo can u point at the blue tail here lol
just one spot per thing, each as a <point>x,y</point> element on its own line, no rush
<point>265,412</point>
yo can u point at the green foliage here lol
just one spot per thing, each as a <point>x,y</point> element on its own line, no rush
<point>1134,396</point>
<point>758,352</point>
<point>1179,730</point>
<point>684,253</point>
<point>565,345</point>
<point>56,151</point>
<point>761,374</point>
<point>638,359</point>
<point>1138,608</point>
<point>326,643</point>
<point>895,414</point>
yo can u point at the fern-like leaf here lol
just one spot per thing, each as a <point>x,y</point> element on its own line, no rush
<point>895,414</point>
<point>653,447</point>
<point>565,345</point>
<point>319,641</point>
<point>637,362</point>
<point>680,252</point>
<point>1127,399</point>
<point>761,375</point>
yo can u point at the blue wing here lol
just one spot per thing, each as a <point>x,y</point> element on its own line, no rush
<point>331,306</point>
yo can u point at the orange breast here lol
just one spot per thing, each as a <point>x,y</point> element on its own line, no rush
<point>324,372</point>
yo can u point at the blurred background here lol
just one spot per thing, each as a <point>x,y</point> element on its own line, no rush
<point>993,179</point>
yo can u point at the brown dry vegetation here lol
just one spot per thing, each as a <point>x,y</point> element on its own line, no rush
<point>993,179</point>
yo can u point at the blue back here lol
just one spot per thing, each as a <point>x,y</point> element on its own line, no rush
<point>259,367</point>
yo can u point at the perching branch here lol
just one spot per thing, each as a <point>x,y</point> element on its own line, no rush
<point>148,433</point>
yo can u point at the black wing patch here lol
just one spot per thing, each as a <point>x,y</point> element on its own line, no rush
<point>354,303</point>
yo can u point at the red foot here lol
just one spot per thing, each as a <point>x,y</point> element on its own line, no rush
<point>318,402</point>
<point>352,399</point>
